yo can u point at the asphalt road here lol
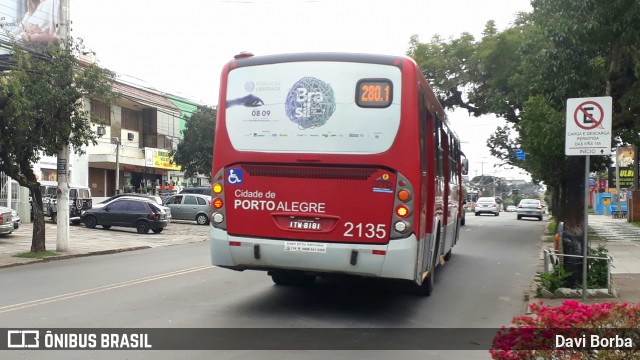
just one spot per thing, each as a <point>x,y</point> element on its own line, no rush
<point>482,286</point>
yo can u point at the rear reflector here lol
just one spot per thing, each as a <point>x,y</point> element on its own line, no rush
<point>234,243</point>
<point>378,252</point>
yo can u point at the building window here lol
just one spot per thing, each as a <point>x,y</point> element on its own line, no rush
<point>130,119</point>
<point>100,112</point>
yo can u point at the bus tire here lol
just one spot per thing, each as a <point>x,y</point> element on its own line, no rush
<point>426,288</point>
<point>447,256</point>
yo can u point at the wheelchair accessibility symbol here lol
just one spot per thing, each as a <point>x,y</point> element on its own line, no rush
<point>234,176</point>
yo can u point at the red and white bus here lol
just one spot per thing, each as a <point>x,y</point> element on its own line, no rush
<point>333,163</point>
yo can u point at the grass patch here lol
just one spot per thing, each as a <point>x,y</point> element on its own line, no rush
<point>636,223</point>
<point>548,239</point>
<point>37,255</point>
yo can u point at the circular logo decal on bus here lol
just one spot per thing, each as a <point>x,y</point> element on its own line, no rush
<point>310,103</point>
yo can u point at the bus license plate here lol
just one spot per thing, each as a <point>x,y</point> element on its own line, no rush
<point>305,224</point>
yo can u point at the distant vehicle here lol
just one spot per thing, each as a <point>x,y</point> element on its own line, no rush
<point>511,208</point>
<point>487,205</point>
<point>190,207</point>
<point>139,213</point>
<point>6,221</point>
<point>79,199</point>
<point>203,190</point>
<point>530,208</point>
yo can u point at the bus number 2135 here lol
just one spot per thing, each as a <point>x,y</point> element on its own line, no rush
<point>367,230</point>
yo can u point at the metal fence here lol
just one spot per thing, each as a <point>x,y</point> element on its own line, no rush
<point>10,194</point>
<point>554,258</point>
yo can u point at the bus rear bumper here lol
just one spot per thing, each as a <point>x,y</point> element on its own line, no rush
<point>396,260</point>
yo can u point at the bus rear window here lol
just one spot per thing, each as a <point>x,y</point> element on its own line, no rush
<point>310,107</point>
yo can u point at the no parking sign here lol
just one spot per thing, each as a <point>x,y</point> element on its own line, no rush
<point>588,126</point>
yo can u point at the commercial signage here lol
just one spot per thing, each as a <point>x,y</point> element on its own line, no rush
<point>625,175</point>
<point>159,158</point>
<point>37,22</point>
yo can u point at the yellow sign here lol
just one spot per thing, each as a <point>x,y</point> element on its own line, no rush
<point>160,159</point>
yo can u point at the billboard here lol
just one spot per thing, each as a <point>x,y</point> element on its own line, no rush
<point>160,159</point>
<point>29,20</point>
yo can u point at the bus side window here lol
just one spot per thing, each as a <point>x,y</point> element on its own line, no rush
<point>422,124</point>
<point>438,146</point>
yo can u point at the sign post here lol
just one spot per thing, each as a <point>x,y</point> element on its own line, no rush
<point>588,132</point>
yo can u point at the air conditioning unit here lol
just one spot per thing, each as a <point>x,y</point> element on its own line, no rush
<point>130,136</point>
<point>101,131</point>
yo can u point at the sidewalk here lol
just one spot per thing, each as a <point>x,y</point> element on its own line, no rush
<point>622,239</point>
<point>85,242</point>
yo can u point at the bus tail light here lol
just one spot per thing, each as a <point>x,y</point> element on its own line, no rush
<point>218,216</point>
<point>217,203</point>
<point>402,222</point>
<point>404,195</point>
<point>402,211</point>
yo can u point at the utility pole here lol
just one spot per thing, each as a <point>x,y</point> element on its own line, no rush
<point>116,140</point>
<point>62,235</point>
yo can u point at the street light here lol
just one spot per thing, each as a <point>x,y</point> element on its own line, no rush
<point>117,142</point>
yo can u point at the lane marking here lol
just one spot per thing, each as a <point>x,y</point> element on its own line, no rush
<point>80,293</point>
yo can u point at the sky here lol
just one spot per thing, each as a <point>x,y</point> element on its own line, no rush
<point>180,47</point>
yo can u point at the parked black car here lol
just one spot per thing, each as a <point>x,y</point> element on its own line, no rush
<point>140,213</point>
<point>154,198</point>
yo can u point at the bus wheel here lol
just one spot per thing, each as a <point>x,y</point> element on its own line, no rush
<point>289,278</point>
<point>447,256</point>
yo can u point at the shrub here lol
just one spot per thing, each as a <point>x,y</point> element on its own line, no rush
<point>552,280</point>
<point>532,337</point>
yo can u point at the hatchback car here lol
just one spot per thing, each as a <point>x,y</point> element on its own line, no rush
<point>190,207</point>
<point>487,205</point>
<point>139,213</point>
<point>530,208</point>
<point>155,198</point>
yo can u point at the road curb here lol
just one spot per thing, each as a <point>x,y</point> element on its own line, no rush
<point>70,256</point>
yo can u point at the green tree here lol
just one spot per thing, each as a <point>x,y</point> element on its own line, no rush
<point>41,110</point>
<point>195,152</point>
<point>562,49</point>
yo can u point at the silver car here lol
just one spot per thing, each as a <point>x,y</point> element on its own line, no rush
<point>190,207</point>
<point>530,208</point>
<point>6,221</point>
<point>487,205</point>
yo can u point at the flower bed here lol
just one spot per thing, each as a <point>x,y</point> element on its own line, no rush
<point>572,331</point>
